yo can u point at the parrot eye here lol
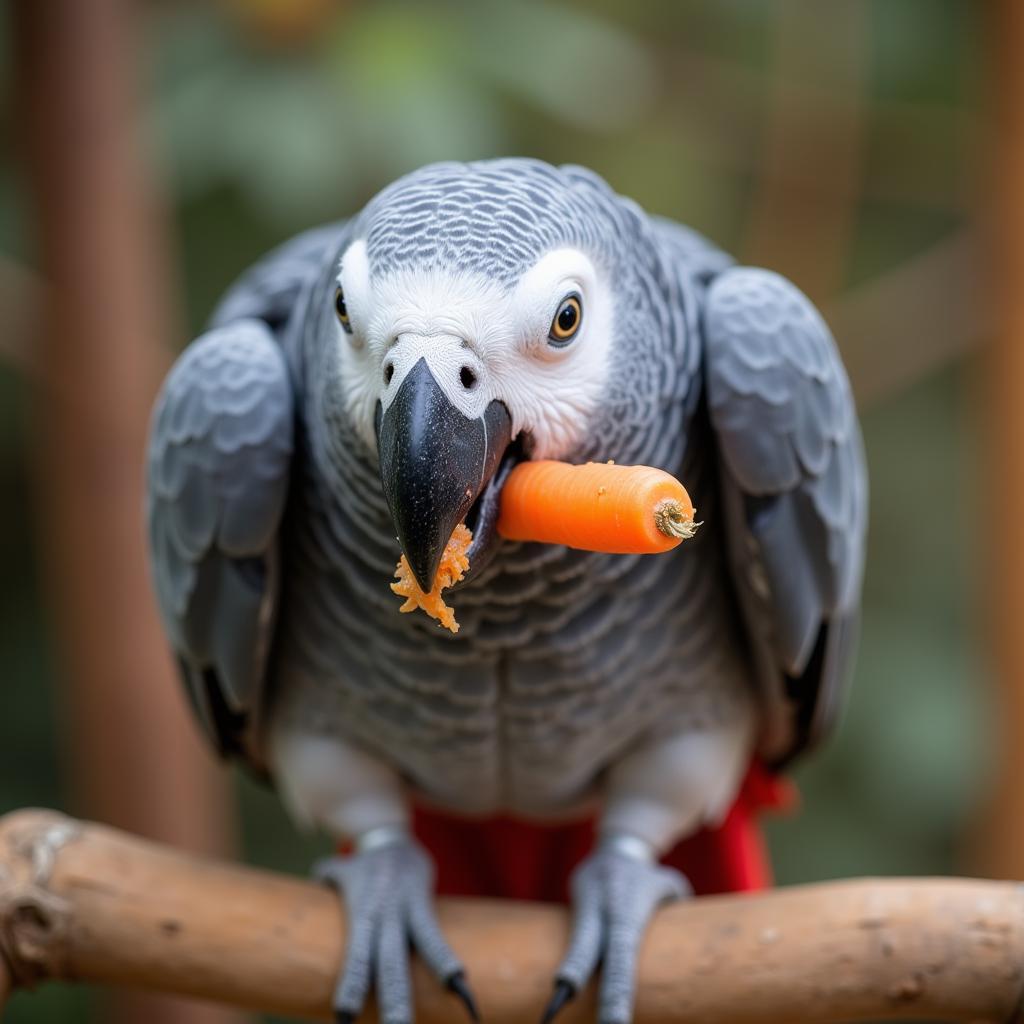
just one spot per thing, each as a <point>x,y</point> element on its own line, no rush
<point>342,310</point>
<point>567,320</point>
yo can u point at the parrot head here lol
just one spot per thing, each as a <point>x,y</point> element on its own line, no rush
<point>473,311</point>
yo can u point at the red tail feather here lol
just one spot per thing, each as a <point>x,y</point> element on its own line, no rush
<point>519,860</point>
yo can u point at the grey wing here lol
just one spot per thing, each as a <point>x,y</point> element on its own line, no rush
<point>217,480</point>
<point>794,487</point>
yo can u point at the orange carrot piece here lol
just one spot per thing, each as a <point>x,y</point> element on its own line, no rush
<point>454,563</point>
<point>596,507</point>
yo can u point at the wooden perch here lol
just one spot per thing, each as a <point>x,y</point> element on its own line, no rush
<point>85,902</point>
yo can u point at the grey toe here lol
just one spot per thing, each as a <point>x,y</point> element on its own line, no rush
<point>614,896</point>
<point>387,892</point>
<point>428,938</point>
<point>394,989</point>
<point>356,975</point>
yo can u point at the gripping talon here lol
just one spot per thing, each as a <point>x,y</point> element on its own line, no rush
<point>564,992</point>
<point>457,985</point>
<point>386,892</point>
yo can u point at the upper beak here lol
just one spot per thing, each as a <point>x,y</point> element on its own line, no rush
<point>434,463</point>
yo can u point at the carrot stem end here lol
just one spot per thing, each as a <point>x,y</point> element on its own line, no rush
<point>672,520</point>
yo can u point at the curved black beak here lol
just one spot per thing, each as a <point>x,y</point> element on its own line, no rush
<point>434,463</point>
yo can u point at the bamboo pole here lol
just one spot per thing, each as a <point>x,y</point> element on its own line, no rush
<point>105,331</point>
<point>85,902</point>
<point>998,842</point>
<point>104,343</point>
<point>803,207</point>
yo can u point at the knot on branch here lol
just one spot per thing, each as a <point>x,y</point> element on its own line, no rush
<point>34,921</point>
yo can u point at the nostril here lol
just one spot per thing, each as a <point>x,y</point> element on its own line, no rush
<point>468,378</point>
<point>389,372</point>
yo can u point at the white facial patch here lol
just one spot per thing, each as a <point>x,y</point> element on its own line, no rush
<point>480,341</point>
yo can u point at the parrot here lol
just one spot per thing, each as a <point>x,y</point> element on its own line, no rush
<point>603,727</point>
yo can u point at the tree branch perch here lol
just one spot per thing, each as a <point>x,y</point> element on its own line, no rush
<point>85,902</point>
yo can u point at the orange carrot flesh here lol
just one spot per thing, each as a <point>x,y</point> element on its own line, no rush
<point>596,507</point>
<point>454,563</point>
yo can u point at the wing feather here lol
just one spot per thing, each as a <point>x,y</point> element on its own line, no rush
<point>218,467</point>
<point>795,492</point>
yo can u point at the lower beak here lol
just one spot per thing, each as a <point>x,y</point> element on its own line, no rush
<point>434,463</point>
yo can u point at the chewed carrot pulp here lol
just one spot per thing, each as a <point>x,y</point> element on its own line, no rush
<point>596,507</point>
<point>454,563</point>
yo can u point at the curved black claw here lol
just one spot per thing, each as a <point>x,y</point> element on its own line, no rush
<point>564,992</point>
<point>344,1017</point>
<point>458,986</point>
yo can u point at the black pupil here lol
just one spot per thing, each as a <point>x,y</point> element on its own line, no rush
<point>339,304</point>
<point>567,317</point>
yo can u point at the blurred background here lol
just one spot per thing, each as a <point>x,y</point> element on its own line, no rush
<point>151,151</point>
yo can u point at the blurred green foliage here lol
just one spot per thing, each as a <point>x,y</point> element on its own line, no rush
<point>256,141</point>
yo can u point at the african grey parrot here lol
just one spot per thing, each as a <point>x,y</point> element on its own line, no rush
<point>367,387</point>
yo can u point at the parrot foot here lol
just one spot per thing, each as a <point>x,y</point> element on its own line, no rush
<point>614,893</point>
<point>387,889</point>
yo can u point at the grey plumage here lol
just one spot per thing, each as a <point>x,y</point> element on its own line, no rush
<point>273,546</point>
<point>795,492</point>
<point>494,219</point>
<point>785,426</point>
<point>219,464</point>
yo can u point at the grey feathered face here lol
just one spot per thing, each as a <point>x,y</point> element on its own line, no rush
<point>541,346</point>
<point>494,277</point>
<point>475,305</point>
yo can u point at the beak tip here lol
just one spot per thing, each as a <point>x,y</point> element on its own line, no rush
<point>423,572</point>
